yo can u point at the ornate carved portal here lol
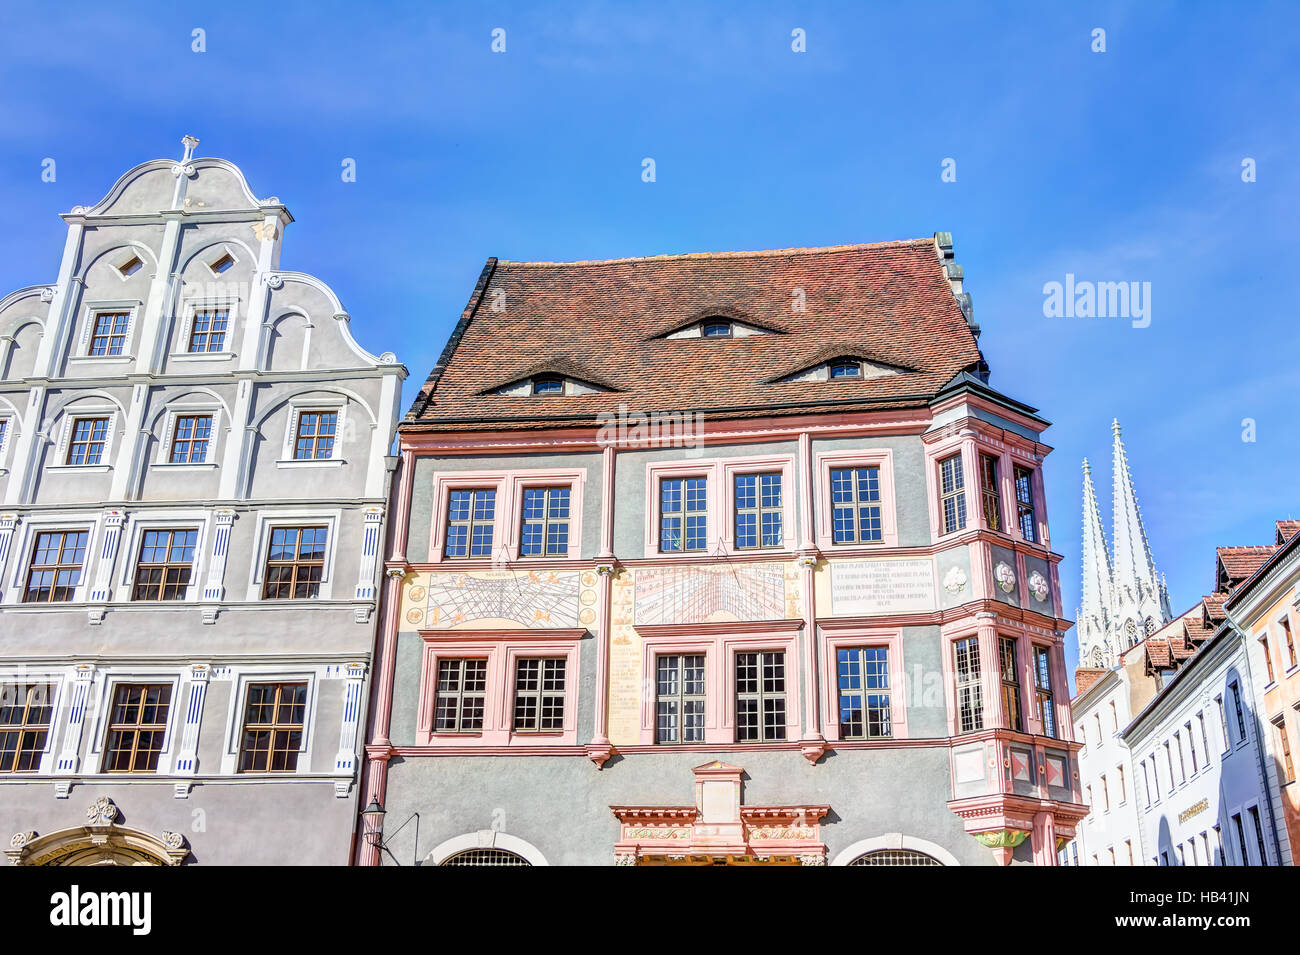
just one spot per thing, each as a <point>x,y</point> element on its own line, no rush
<point>101,841</point>
<point>718,830</point>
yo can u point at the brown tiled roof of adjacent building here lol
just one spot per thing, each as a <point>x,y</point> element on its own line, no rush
<point>889,303</point>
<point>1158,652</point>
<point>1286,530</point>
<point>1240,562</point>
<point>1085,677</point>
<point>1213,604</point>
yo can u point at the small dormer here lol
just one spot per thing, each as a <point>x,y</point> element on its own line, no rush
<point>549,385</point>
<point>845,368</point>
<point>718,327</point>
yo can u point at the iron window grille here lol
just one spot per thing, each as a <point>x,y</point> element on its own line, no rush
<point>539,695</point>
<point>952,494</point>
<point>315,435</point>
<point>109,334</point>
<point>679,698</point>
<point>137,727</point>
<point>492,857</point>
<point>208,330</point>
<point>970,696</point>
<point>190,439</point>
<point>855,505</point>
<point>295,563</point>
<point>865,704</point>
<point>55,569</point>
<point>895,857</point>
<point>89,436</point>
<point>545,522</point>
<point>683,515</point>
<point>273,727</point>
<point>25,713</point>
<point>470,518</point>
<point>758,511</point>
<point>760,696</point>
<point>165,563</point>
<point>461,696</point>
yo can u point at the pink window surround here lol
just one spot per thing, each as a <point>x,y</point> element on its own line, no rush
<point>962,442</point>
<point>502,649</point>
<point>835,638</point>
<point>720,473</point>
<point>824,462</point>
<point>508,514</point>
<point>972,443</point>
<point>719,643</point>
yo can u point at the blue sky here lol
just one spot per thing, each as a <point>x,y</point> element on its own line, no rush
<point>1115,166</point>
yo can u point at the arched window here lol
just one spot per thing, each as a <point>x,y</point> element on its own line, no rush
<point>548,385</point>
<point>486,857</point>
<point>895,857</point>
<point>846,369</point>
<point>716,328</point>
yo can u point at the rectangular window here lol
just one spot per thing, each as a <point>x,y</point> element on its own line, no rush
<point>137,726</point>
<point>1146,785</point>
<point>55,569</point>
<point>865,711</point>
<point>1284,748</point>
<point>970,697</point>
<point>163,569</point>
<point>679,698</point>
<point>1128,849</point>
<point>315,435</point>
<point>109,335</point>
<point>1043,689</point>
<point>1285,623</point>
<point>990,495</point>
<point>1268,657</point>
<point>1182,765</point>
<point>544,528</point>
<point>1105,794</point>
<point>758,510</point>
<point>470,517</point>
<point>1205,737</point>
<point>273,726</point>
<point>25,714</point>
<point>4,428</point>
<point>88,439</point>
<point>190,439</point>
<point>1123,788</point>
<point>760,696</point>
<point>1259,834</point>
<point>855,505</point>
<point>1241,838</point>
<point>1025,503</point>
<point>295,563</point>
<point>952,494</point>
<point>1219,857</point>
<point>462,690</point>
<point>683,514</point>
<point>1191,746</point>
<point>539,695</point>
<point>1169,758</point>
<point>208,332</point>
<point>1010,683</point>
<point>1223,721</point>
<point>1236,705</point>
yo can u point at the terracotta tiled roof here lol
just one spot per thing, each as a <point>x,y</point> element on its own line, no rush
<point>1158,652</point>
<point>1240,562</point>
<point>1213,604</point>
<point>1286,530</point>
<point>1197,632</point>
<point>890,303</point>
<point>1085,677</point>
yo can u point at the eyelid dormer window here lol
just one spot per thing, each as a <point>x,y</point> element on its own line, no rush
<point>846,369</point>
<point>715,329</point>
<point>548,385</point>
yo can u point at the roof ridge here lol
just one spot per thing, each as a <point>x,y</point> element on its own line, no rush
<point>756,253</point>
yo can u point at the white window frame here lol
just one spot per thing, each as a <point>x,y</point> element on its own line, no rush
<point>9,421</point>
<point>296,408</point>
<point>111,679</point>
<point>163,458</point>
<point>69,414</point>
<point>239,682</point>
<point>208,259</point>
<point>164,520</point>
<point>268,520</point>
<point>192,306</point>
<point>56,679</point>
<point>89,312</point>
<point>35,524</point>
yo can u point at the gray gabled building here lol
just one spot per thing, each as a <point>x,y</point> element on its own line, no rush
<point>193,478</point>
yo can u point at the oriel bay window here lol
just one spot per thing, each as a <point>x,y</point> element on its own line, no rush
<point>544,526</point>
<point>758,511</point>
<point>55,570</point>
<point>471,514</point>
<point>25,713</point>
<point>952,494</point>
<point>864,697</point>
<point>165,563</point>
<point>683,514</point>
<point>990,492</point>
<point>680,698</point>
<point>137,727</point>
<point>760,696</point>
<point>970,695</point>
<point>1010,683</point>
<point>1043,690</point>
<point>1025,503</point>
<point>855,504</point>
<point>273,727</point>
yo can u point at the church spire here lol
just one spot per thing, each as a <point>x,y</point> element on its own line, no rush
<point>1135,571</point>
<point>1094,649</point>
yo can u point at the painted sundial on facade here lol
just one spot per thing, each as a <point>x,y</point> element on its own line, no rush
<point>533,599</point>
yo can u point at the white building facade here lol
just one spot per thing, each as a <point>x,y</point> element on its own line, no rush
<point>193,478</point>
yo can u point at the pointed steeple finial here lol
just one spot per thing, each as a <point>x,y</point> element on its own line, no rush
<point>1093,615</point>
<point>189,142</point>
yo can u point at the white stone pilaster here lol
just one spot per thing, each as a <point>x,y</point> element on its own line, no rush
<point>187,757</point>
<point>77,704</point>
<point>214,588</point>
<point>346,760</point>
